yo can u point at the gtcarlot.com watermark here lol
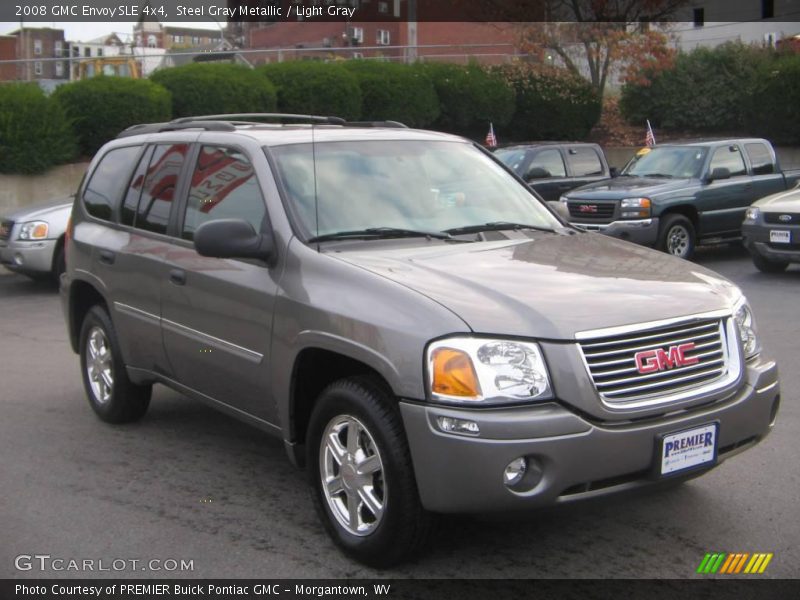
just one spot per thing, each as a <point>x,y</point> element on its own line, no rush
<point>48,563</point>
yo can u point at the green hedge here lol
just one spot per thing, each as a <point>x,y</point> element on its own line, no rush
<point>210,89</point>
<point>469,98</point>
<point>775,102</point>
<point>707,90</point>
<point>315,88</point>
<point>395,92</point>
<point>549,105</point>
<point>101,107</point>
<point>35,133</point>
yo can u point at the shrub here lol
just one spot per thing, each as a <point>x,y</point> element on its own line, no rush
<point>315,88</point>
<point>35,133</point>
<point>772,112</point>
<point>209,89</point>
<point>550,105</point>
<point>469,98</point>
<point>101,107</point>
<point>391,91</point>
<point>708,89</point>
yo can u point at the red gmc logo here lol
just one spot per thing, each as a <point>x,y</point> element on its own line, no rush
<point>650,361</point>
<point>588,208</point>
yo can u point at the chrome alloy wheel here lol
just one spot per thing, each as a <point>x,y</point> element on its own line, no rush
<point>678,241</point>
<point>352,475</point>
<point>99,365</point>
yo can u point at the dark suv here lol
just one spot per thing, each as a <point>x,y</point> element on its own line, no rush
<point>423,333</point>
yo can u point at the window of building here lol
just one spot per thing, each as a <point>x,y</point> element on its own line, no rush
<point>59,48</point>
<point>699,17</point>
<point>767,9</point>
<point>151,41</point>
<point>158,190</point>
<point>584,161</point>
<point>102,194</point>
<point>760,158</point>
<point>37,47</point>
<point>59,69</point>
<point>728,157</point>
<point>358,34</point>
<point>224,186</point>
<point>37,68</point>
<point>195,40</point>
<point>87,51</point>
<point>99,52</point>
<point>383,38</point>
<point>383,7</point>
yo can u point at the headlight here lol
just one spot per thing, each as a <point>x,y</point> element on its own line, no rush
<point>563,199</point>
<point>743,315</point>
<point>473,370</point>
<point>35,230</point>
<point>637,208</point>
<point>751,214</point>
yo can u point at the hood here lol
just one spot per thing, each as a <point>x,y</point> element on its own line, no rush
<point>40,209</point>
<point>550,286</point>
<point>626,187</point>
<point>788,202</point>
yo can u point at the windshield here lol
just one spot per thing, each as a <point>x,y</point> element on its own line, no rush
<point>668,161</point>
<point>412,185</point>
<point>513,158</point>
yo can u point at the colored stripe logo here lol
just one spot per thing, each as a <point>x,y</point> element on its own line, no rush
<point>734,563</point>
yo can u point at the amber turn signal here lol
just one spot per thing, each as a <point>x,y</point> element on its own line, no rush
<point>453,374</point>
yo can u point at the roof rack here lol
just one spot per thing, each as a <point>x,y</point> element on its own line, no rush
<point>173,126</point>
<point>375,124</point>
<point>228,117</point>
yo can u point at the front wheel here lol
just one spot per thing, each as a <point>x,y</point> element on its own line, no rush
<point>768,266</point>
<point>361,475</point>
<point>676,236</point>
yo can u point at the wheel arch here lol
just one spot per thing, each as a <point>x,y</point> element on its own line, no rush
<point>82,296</point>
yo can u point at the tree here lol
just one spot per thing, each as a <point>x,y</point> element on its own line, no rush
<point>593,38</point>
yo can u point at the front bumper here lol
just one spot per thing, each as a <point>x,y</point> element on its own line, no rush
<point>28,257</point>
<point>640,231</point>
<point>579,458</point>
<point>755,237</point>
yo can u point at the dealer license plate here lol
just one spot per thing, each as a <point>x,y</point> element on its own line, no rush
<point>780,237</point>
<point>689,449</point>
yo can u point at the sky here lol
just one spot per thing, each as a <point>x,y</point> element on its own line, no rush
<point>81,32</point>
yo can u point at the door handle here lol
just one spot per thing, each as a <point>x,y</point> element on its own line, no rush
<point>107,257</point>
<point>177,276</point>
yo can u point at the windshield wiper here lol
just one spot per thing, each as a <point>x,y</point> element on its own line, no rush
<point>496,226</point>
<point>380,232</point>
<point>662,175</point>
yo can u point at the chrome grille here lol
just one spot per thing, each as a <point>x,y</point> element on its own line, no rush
<point>782,218</point>
<point>612,361</point>
<point>591,211</point>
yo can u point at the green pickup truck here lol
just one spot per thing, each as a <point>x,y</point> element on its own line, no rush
<point>675,196</point>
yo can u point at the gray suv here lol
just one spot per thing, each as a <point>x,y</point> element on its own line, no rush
<point>423,333</point>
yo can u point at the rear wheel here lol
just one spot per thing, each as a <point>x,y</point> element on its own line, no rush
<point>112,396</point>
<point>676,236</point>
<point>768,266</point>
<point>361,475</point>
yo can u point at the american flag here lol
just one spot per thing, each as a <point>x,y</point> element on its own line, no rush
<point>491,139</point>
<point>650,138</point>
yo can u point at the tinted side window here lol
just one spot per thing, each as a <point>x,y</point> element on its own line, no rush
<point>224,186</point>
<point>102,194</point>
<point>550,161</point>
<point>159,187</point>
<point>760,158</point>
<point>728,157</point>
<point>131,202</point>
<point>584,161</point>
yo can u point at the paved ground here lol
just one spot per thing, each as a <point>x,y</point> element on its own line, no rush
<point>189,483</point>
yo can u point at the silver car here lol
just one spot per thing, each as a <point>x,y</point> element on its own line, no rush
<point>32,239</point>
<point>419,329</point>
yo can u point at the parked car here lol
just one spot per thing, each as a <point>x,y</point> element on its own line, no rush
<point>32,239</point>
<point>401,311</point>
<point>771,231</point>
<point>675,196</point>
<point>554,168</point>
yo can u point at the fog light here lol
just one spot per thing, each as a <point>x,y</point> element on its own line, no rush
<point>515,471</point>
<point>454,425</point>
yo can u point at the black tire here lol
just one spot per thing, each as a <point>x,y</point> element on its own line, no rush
<point>768,266</point>
<point>59,263</point>
<point>676,236</point>
<point>401,530</point>
<point>125,401</point>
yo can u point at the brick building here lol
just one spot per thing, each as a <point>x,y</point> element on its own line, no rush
<point>39,47</point>
<point>8,51</point>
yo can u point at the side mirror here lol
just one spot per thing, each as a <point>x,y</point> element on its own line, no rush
<point>537,173</point>
<point>718,173</point>
<point>613,171</point>
<point>232,238</point>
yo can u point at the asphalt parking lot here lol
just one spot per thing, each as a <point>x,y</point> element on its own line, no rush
<point>187,483</point>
